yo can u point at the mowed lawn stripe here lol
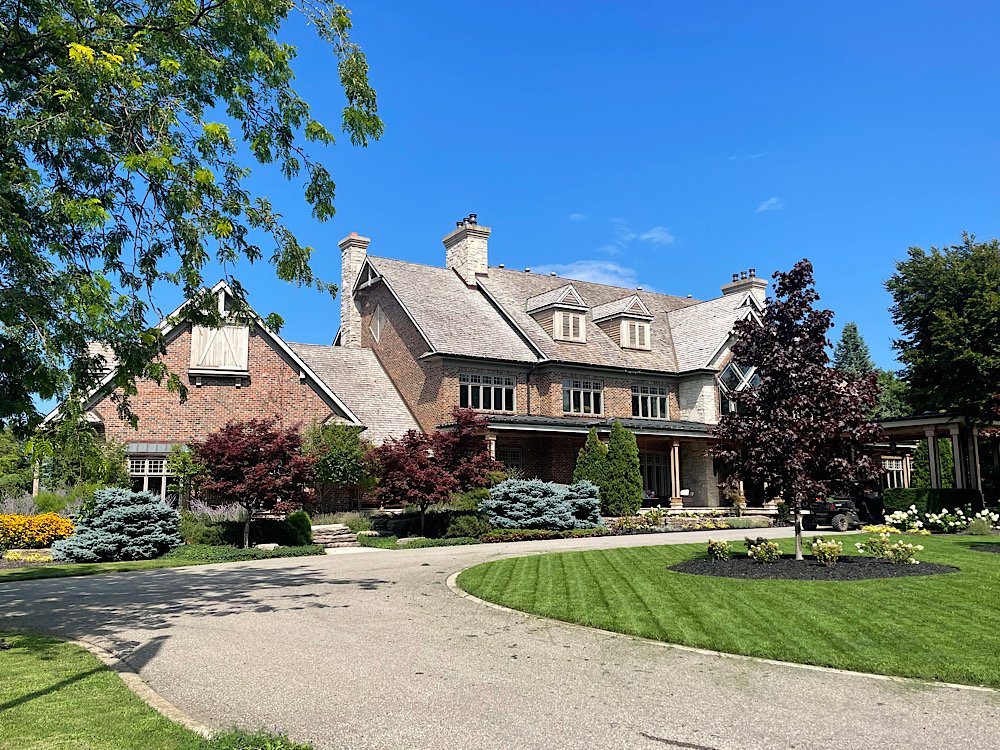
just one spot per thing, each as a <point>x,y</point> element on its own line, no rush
<point>941,627</point>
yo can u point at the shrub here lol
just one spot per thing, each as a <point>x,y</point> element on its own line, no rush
<point>470,525</point>
<point>353,520</point>
<point>621,493</point>
<point>876,546</point>
<point>879,529</point>
<point>123,525</point>
<point>979,526</point>
<point>212,553</point>
<point>533,504</point>
<point>927,500</point>
<point>748,522</point>
<point>719,549</point>
<point>762,550</point>
<point>195,529</point>
<point>299,520</point>
<point>904,553</point>
<point>470,500</point>
<point>240,740</point>
<point>826,552</point>
<point>32,532</point>
<point>527,535</point>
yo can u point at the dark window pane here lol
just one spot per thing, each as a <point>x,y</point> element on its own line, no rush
<point>475,398</point>
<point>509,405</point>
<point>597,403</point>
<point>635,406</point>
<point>463,396</point>
<point>487,398</point>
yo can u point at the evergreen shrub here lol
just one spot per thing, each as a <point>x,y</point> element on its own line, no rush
<point>929,500</point>
<point>122,525</point>
<point>533,504</point>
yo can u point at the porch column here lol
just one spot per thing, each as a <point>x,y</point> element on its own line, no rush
<point>676,501</point>
<point>932,458</point>
<point>491,441</point>
<point>907,471</point>
<point>975,472</point>
<point>958,455</point>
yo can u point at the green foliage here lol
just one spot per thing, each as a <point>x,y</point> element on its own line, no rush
<point>354,521</point>
<point>826,552</point>
<point>75,500</point>
<point>299,520</point>
<point>621,493</point>
<point>947,309</point>
<point>211,553</point>
<point>15,469</point>
<point>391,542</point>
<point>852,356</point>
<point>196,530</point>
<point>591,463</point>
<point>893,396</point>
<point>123,525</point>
<point>927,500</point>
<point>339,451</point>
<point>719,549</point>
<point>468,526</point>
<point>979,527</point>
<point>531,535</point>
<point>124,159</point>
<point>183,473</point>
<point>262,740</point>
<point>762,550</point>
<point>534,504</point>
<point>921,461</point>
<point>71,453</point>
<point>470,500</point>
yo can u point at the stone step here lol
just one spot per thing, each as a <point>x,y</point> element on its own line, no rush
<point>332,535</point>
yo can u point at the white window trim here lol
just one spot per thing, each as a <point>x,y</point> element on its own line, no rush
<point>659,394</point>
<point>746,377</point>
<point>584,388</point>
<point>642,337</point>
<point>143,467</point>
<point>558,318</point>
<point>377,323</point>
<point>478,381</point>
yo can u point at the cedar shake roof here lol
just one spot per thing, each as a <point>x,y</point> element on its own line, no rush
<point>702,329</point>
<point>564,294</point>
<point>454,318</point>
<point>621,307</point>
<point>511,288</point>
<point>357,377</point>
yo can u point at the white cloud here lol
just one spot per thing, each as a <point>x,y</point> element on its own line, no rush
<point>750,157</point>
<point>598,271</point>
<point>771,204</point>
<point>658,236</point>
<point>576,217</point>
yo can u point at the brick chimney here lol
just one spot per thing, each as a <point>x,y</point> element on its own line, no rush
<point>353,251</point>
<point>465,249</point>
<point>747,281</point>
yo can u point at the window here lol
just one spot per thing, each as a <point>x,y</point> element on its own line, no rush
<point>149,475</point>
<point>486,392</point>
<point>222,349</point>
<point>892,472</point>
<point>635,334</point>
<point>735,379</point>
<point>378,323</point>
<point>510,457</point>
<point>569,326</point>
<point>583,396</point>
<point>655,469</point>
<point>650,402</point>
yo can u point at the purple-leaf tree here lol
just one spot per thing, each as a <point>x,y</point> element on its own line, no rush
<point>802,428</point>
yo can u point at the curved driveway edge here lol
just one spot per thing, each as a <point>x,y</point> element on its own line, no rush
<point>373,650</point>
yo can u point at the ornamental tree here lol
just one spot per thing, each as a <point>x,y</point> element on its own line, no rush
<point>426,468</point>
<point>128,130</point>
<point>338,453</point>
<point>803,429</point>
<point>947,308</point>
<point>256,463</point>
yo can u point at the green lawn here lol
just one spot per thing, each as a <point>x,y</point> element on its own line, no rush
<point>940,627</point>
<point>56,696</point>
<point>189,554</point>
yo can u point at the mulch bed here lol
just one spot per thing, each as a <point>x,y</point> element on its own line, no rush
<point>849,568</point>
<point>985,547</point>
<point>7,564</point>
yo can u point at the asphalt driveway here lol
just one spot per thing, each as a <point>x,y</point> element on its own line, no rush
<point>371,649</point>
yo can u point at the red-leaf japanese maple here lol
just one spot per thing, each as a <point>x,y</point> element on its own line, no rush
<point>802,428</point>
<point>256,463</point>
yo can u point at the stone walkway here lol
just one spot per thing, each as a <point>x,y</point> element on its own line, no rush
<point>372,650</point>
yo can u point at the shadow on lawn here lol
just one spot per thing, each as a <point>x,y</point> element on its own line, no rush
<point>103,607</point>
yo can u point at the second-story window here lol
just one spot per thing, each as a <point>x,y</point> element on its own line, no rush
<point>378,323</point>
<point>486,392</point>
<point>583,396</point>
<point>635,334</point>
<point>733,380</point>
<point>650,402</point>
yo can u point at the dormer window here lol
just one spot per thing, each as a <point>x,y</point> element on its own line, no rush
<point>627,322</point>
<point>635,334</point>
<point>561,312</point>
<point>569,326</point>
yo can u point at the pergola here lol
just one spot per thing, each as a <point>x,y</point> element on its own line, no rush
<point>965,444</point>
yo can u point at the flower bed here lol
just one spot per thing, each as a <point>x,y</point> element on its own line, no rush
<point>789,569</point>
<point>33,532</point>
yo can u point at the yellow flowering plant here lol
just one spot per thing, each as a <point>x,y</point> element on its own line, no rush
<point>32,532</point>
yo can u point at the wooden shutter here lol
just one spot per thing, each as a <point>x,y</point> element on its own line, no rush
<point>225,348</point>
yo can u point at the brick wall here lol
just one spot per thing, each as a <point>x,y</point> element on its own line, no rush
<point>273,389</point>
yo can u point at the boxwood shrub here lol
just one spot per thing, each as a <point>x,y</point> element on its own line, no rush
<point>929,500</point>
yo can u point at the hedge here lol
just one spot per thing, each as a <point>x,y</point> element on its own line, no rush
<point>929,500</point>
<point>529,535</point>
<point>196,530</point>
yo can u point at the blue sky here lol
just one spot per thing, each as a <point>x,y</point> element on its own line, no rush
<point>660,144</point>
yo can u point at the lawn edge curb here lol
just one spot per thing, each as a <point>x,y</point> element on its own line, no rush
<point>142,689</point>
<point>452,584</point>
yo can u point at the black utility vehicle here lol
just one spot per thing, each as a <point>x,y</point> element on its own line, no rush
<point>839,513</point>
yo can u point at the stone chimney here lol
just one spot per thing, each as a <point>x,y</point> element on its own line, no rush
<point>353,251</point>
<point>747,281</point>
<point>465,249</point>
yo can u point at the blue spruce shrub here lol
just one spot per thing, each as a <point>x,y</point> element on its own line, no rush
<point>123,525</point>
<point>533,504</point>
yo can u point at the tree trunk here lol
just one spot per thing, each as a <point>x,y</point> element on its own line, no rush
<point>246,532</point>
<point>798,531</point>
<point>423,512</point>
